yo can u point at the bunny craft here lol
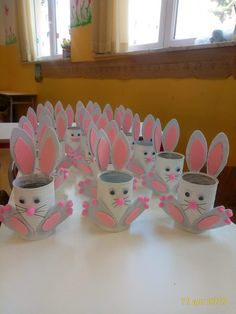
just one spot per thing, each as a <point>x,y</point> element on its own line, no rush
<point>168,168</point>
<point>194,208</point>
<point>34,212</point>
<point>143,157</point>
<point>114,208</point>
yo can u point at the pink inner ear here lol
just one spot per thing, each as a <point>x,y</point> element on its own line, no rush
<point>109,114</point>
<point>70,116</point>
<point>111,133</point>
<point>215,159</point>
<point>103,154</point>
<point>118,119</point>
<point>95,117</point>
<point>102,123</point>
<point>93,139</point>
<point>136,129</point>
<point>127,122</point>
<point>61,128</point>
<point>33,120</point>
<point>171,139</point>
<point>197,156</point>
<point>28,129</point>
<point>47,156</point>
<point>157,138</point>
<point>81,117</point>
<point>86,125</point>
<point>120,153</point>
<point>24,156</point>
<point>58,109</point>
<point>148,129</point>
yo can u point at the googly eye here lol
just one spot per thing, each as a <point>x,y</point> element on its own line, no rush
<point>187,194</point>
<point>178,169</point>
<point>112,192</point>
<point>125,191</point>
<point>72,134</point>
<point>167,169</point>
<point>89,153</point>
<point>22,201</point>
<point>36,200</point>
<point>153,153</point>
<point>133,143</point>
<point>201,198</point>
<point>78,134</point>
<point>145,153</point>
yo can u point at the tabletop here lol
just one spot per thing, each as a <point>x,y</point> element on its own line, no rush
<point>150,268</point>
<point>13,93</point>
<point>6,129</point>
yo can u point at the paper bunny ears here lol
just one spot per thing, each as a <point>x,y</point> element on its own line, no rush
<point>23,151</point>
<point>216,158</point>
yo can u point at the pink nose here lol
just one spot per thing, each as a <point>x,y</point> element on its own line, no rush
<point>149,159</point>
<point>120,201</point>
<point>30,211</point>
<point>75,139</point>
<point>192,205</point>
<point>172,177</point>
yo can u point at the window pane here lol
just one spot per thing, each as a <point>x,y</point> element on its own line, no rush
<point>144,21</point>
<point>199,18</point>
<point>42,28</point>
<point>62,22</point>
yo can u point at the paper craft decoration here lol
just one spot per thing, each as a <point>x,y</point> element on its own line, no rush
<point>164,179</point>
<point>194,208</point>
<point>34,213</point>
<point>115,208</point>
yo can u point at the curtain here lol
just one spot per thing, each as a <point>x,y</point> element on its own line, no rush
<point>110,26</point>
<point>26,35</point>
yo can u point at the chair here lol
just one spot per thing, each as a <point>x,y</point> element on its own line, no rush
<point>12,173</point>
<point>4,197</point>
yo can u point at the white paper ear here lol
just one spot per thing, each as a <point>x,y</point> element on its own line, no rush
<point>170,137</point>
<point>49,106</point>
<point>97,108</point>
<point>46,112</point>
<point>92,137</point>
<point>39,110</point>
<point>58,107</point>
<point>120,152</point>
<point>136,127</point>
<point>49,148</point>
<point>218,154</point>
<point>148,127</point>
<point>85,119</point>
<point>61,125</point>
<point>25,124</point>
<point>45,121</point>
<point>22,149</point>
<point>112,130</point>
<point>109,112</point>
<point>118,117</point>
<point>90,106</point>
<point>157,136</point>
<point>102,151</point>
<point>70,115</point>
<point>102,122</point>
<point>31,115</point>
<point>196,151</point>
<point>128,120</point>
<point>79,105</point>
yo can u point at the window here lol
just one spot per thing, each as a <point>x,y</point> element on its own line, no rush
<point>169,23</point>
<point>52,24</point>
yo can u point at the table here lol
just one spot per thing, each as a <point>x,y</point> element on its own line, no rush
<point>17,98</point>
<point>150,268</point>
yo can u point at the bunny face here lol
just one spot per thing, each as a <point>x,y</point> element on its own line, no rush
<point>145,154</point>
<point>115,189</point>
<point>73,136</point>
<point>196,194</point>
<point>169,167</point>
<point>34,195</point>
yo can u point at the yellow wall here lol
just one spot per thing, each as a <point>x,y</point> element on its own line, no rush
<point>208,105</point>
<point>4,75</point>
